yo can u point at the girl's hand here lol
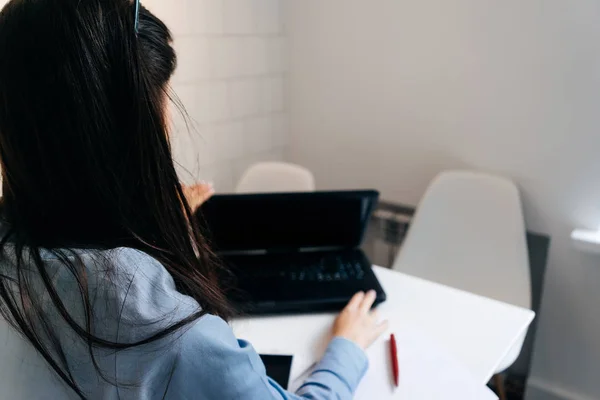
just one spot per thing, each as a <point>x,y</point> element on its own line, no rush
<point>358,323</point>
<point>197,194</point>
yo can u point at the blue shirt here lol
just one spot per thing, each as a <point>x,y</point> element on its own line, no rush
<point>134,297</point>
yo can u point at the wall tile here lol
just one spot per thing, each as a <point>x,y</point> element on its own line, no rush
<point>214,16</point>
<point>244,96</point>
<point>277,93</point>
<point>173,14</point>
<point>193,62</point>
<point>272,94</point>
<point>253,56</point>
<point>219,108</point>
<point>258,134</point>
<point>274,154</point>
<point>205,16</point>
<point>280,130</point>
<point>225,60</point>
<point>238,56</point>
<point>239,17</point>
<point>276,49</point>
<point>268,16</point>
<point>228,140</point>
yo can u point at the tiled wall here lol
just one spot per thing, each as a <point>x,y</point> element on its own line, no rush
<point>231,79</point>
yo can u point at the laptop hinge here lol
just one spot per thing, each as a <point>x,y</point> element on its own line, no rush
<point>288,250</point>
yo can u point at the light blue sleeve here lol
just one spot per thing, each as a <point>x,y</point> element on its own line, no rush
<point>206,361</point>
<point>213,364</point>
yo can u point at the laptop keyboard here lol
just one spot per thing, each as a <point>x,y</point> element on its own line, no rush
<point>329,268</point>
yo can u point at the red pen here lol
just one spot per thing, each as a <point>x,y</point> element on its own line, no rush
<point>394,355</point>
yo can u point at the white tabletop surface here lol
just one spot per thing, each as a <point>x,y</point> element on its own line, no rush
<point>475,330</point>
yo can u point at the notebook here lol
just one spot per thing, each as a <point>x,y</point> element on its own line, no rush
<point>426,373</point>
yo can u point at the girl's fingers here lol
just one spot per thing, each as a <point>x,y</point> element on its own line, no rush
<point>368,301</point>
<point>355,301</point>
<point>198,194</point>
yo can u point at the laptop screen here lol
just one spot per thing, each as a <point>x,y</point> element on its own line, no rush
<point>280,221</point>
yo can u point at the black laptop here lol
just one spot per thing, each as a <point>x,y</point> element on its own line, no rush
<point>293,252</point>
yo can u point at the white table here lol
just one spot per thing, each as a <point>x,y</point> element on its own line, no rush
<point>476,330</point>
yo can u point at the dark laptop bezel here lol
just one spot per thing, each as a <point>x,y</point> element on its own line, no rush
<point>371,194</point>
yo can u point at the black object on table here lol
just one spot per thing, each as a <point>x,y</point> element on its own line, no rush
<point>278,368</point>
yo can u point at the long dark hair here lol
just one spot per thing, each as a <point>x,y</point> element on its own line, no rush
<point>86,161</point>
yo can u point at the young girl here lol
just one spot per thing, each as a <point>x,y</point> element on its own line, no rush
<point>103,272</point>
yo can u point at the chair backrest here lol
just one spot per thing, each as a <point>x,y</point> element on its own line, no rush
<point>468,233</point>
<point>24,374</point>
<point>276,177</point>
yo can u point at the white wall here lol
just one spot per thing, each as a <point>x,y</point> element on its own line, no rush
<point>387,93</point>
<point>231,79</point>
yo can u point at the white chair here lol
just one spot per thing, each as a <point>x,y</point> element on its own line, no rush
<point>468,233</point>
<point>276,177</point>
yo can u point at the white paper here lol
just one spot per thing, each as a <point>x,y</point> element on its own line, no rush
<point>489,395</point>
<point>426,373</point>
